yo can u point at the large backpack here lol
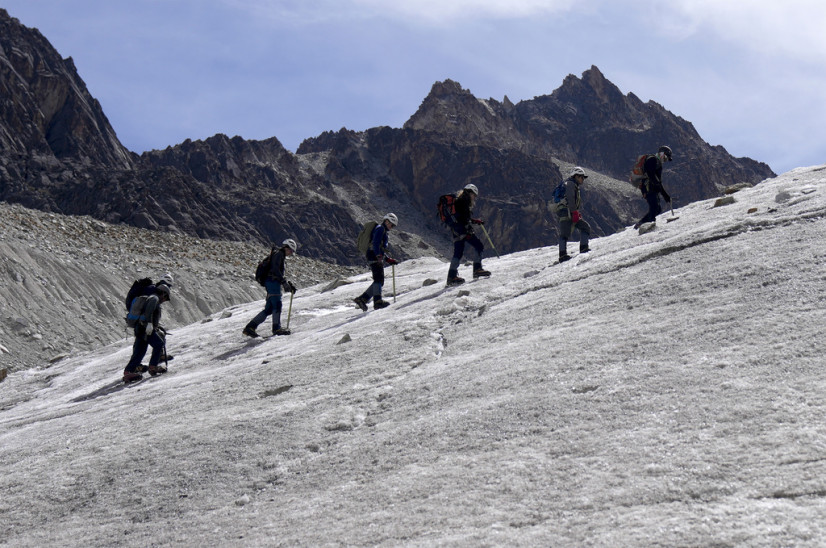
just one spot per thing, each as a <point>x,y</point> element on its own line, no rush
<point>262,271</point>
<point>638,176</point>
<point>144,286</point>
<point>447,209</point>
<point>365,236</point>
<point>559,196</point>
<point>135,314</point>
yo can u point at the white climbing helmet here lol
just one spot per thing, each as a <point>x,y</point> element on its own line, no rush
<point>289,242</point>
<point>392,218</point>
<point>578,171</point>
<point>472,188</point>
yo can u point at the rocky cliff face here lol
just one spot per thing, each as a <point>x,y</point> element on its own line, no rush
<point>49,119</point>
<point>589,122</point>
<point>59,154</point>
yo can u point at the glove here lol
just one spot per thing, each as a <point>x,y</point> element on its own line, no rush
<point>391,261</point>
<point>477,221</point>
<point>289,286</point>
<point>576,217</point>
<point>149,329</point>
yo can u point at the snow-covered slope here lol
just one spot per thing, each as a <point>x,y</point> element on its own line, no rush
<point>665,389</point>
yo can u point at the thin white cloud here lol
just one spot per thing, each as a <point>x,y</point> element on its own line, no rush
<point>426,12</point>
<point>793,27</point>
<point>447,11</point>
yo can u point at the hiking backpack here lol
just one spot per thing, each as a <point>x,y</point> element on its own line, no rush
<point>638,176</point>
<point>140,287</point>
<point>365,236</point>
<point>560,193</point>
<point>135,314</point>
<point>262,271</point>
<point>447,209</point>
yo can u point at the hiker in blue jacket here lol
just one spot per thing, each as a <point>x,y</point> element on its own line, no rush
<point>148,332</point>
<point>652,186</point>
<point>570,217</point>
<point>377,257</point>
<point>274,284</point>
<point>463,233</point>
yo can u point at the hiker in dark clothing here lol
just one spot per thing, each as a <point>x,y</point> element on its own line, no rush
<point>274,284</point>
<point>148,332</point>
<point>377,257</point>
<point>652,185</point>
<point>570,217</point>
<point>463,234</point>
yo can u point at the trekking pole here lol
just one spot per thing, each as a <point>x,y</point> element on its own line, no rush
<point>393,267</point>
<point>485,230</point>
<point>673,217</point>
<point>290,310</point>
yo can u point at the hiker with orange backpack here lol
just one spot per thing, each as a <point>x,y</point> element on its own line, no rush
<point>651,183</point>
<point>460,220</point>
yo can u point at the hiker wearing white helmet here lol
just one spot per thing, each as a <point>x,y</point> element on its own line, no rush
<point>569,213</point>
<point>652,184</point>
<point>461,222</point>
<point>274,281</point>
<point>375,250</point>
<point>148,332</point>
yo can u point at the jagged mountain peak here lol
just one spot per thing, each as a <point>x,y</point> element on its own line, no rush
<point>49,109</point>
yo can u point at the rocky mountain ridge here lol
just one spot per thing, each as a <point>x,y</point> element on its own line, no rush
<point>59,154</point>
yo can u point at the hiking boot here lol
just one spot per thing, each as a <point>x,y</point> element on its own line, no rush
<point>281,331</point>
<point>157,370</point>
<point>585,249</point>
<point>250,332</point>
<point>378,304</point>
<point>455,280</point>
<point>563,258</point>
<point>141,368</point>
<point>480,273</point>
<point>361,303</point>
<point>131,376</point>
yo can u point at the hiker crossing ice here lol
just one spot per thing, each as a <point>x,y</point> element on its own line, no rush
<point>144,302</point>
<point>456,212</point>
<point>373,244</point>
<point>270,273</point>
<point>647,175</point>
<point>567,205</point>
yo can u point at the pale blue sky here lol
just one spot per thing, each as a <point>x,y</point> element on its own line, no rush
<point>750,75</point>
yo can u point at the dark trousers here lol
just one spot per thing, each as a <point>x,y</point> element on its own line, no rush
<point>141,345</point>
<point>566,228</point>
<point>654,208</point>
<point>377,270</point>
<point>459,251</point>
<point>272,306</point>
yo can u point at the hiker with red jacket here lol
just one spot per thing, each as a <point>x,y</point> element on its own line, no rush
<point>652,185</point>
<point>570,216</point>
<point>376,255</point>
<point>274,284</point>
<point>463,233</point>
